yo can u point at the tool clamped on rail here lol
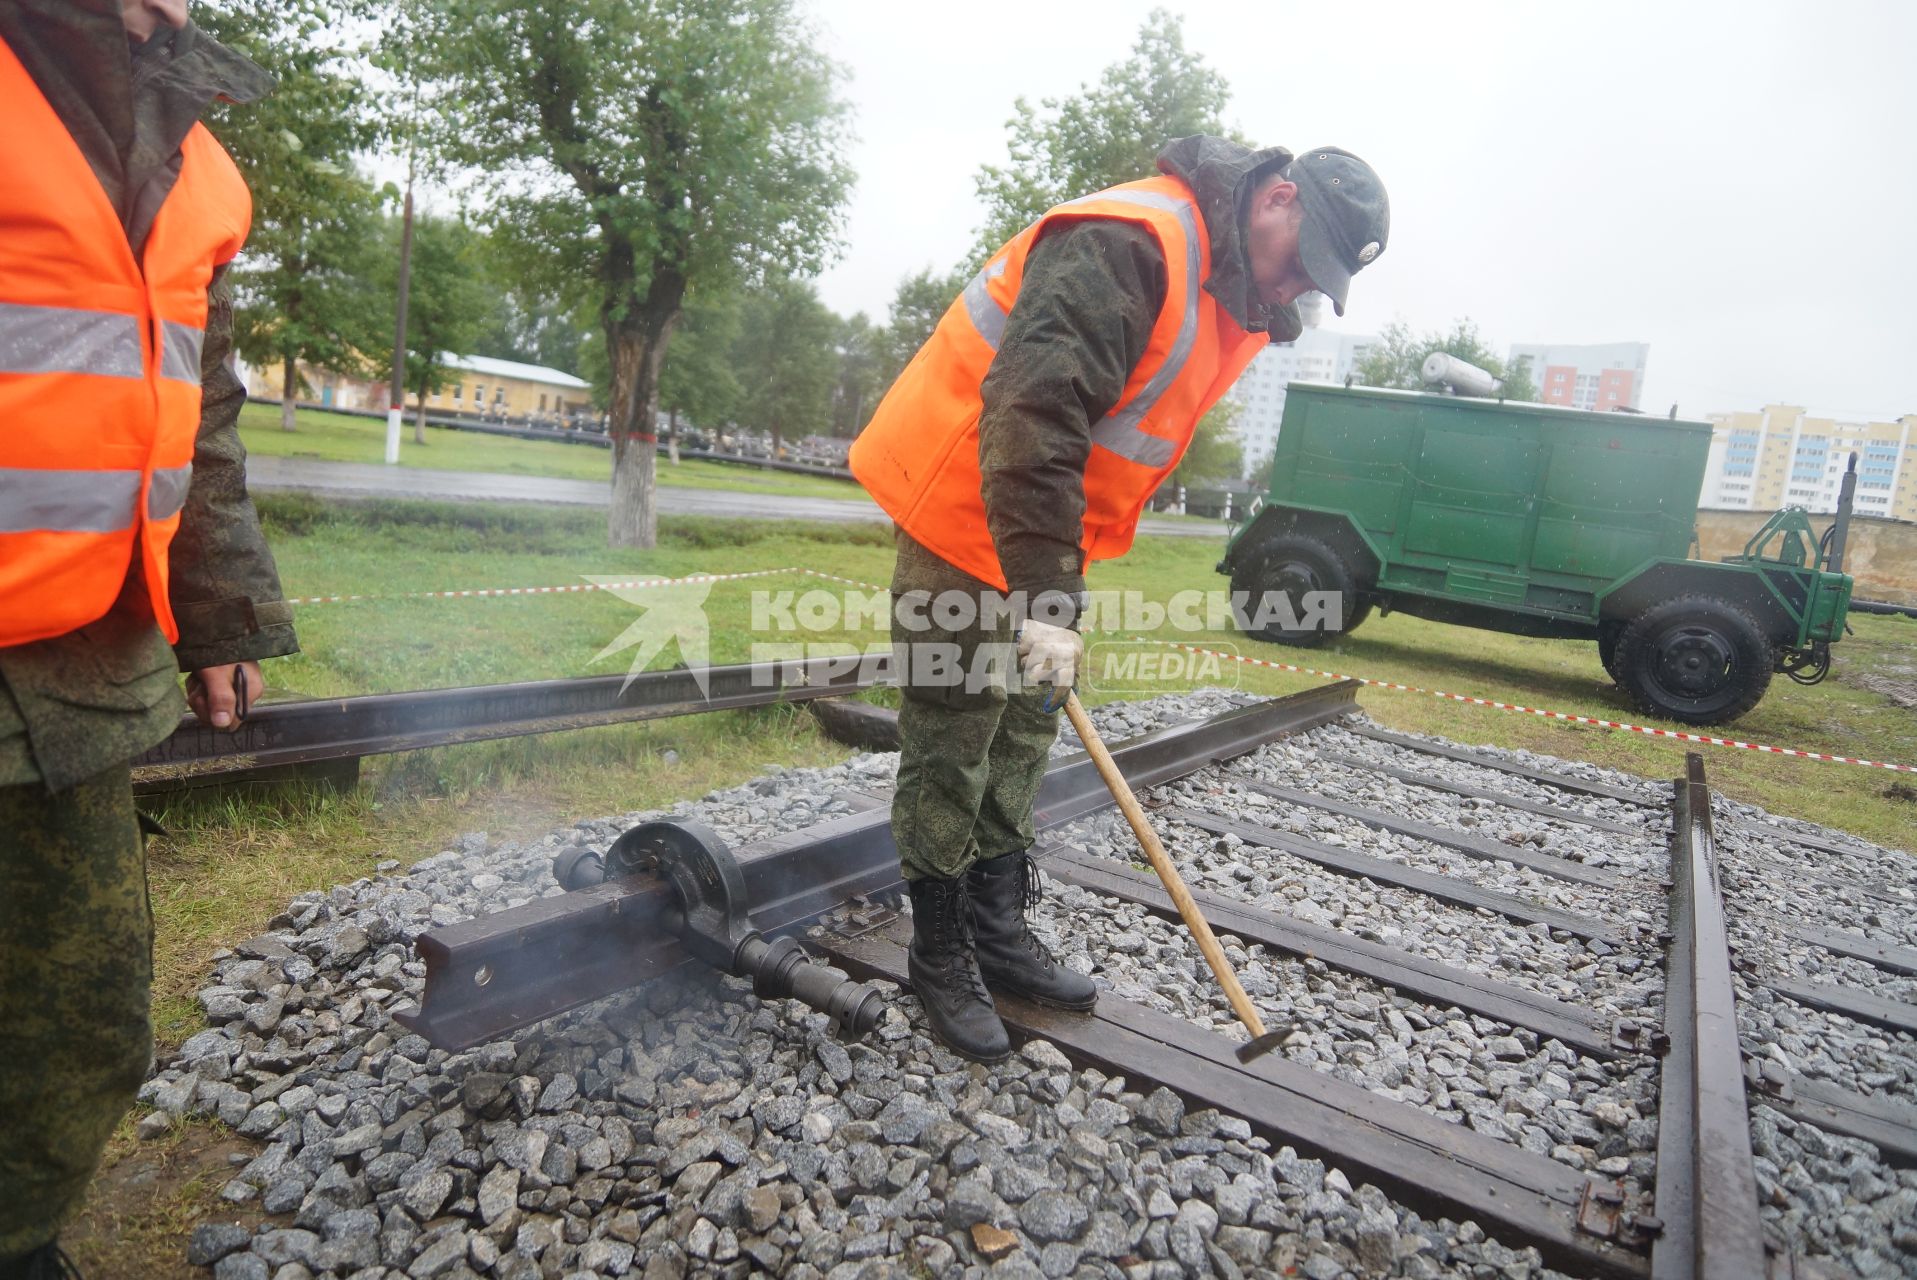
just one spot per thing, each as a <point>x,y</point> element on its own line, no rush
<point>713,921</point>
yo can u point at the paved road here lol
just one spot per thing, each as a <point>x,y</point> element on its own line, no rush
<point>374,479</point>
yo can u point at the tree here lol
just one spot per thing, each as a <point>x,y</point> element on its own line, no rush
<point>787,361</point>
<point>642,150</point>
<point>1398,358</point>
<point>862,361</point>
<point>1216,454</point>
<point>302,288</point>
<point>448,302</point>
<point>1106,134</point>
<point>699,379</point>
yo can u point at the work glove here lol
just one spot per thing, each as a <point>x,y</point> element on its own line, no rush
<point>1049,654</point>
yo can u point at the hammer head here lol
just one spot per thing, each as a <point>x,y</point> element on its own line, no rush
<point>1261,1046</point>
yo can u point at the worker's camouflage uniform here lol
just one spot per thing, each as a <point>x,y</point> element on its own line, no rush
<point>970,760</point>
<point>970,764</point>
<point>75,930</point>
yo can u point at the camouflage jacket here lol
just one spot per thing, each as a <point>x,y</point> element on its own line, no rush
<point>76,704</point>
<point>1091,293</point>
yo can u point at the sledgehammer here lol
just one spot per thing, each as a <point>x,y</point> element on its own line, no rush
<point>1262,1041</point>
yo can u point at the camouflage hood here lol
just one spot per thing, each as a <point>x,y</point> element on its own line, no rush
<point>1222,173</point>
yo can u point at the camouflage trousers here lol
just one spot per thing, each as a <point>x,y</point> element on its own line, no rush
<point>76,967</point>
<point>970,757</point>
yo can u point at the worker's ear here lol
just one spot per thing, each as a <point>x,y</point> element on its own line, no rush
<point>1275,196</point>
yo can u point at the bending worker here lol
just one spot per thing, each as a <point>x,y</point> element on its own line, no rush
<point>1024,439</point>
<point>129,550</point>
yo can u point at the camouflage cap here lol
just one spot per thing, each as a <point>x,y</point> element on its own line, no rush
<point>1347,218</point>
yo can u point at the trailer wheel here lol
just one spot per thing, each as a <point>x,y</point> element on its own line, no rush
<point>1697,659</point>
<point>1291,565</point>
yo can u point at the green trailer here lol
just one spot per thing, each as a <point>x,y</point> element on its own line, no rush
<point>1536,520</point>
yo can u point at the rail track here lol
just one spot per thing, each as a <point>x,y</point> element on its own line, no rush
<point>329,736</point>
<point>1658,911</point>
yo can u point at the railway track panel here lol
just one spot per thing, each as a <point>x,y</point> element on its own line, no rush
<point>1706,1217</point>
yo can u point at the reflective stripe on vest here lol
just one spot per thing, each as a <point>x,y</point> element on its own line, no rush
<point>180,351</point>
<point>40,501</point>
<point>105,344</point>
<point>1120,431</point>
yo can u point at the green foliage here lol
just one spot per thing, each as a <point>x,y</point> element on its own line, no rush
<point>916,307</point>
<point>639,150</point>
<point>1216,454</point>
<point>302,287</point>
<point>1398,358</point>
<point>521,322</point>
<point>699,382</point>
<point>447,301</point>
<point>862,360</point>
<point>786,360</point>
<point>1106,134</point>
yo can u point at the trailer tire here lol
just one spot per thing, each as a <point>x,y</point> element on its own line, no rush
<point>1696,659</point>
<point>1608,634</point>
<point>1291,564</point>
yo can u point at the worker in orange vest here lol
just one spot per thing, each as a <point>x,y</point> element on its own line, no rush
<point>1024,439</point>
<point>129,551</point>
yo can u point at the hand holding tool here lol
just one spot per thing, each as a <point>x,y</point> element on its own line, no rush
<point>1262,1041</point>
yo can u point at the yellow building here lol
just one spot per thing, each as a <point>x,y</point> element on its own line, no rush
<point>508,389</point>
<point>479,387</point>
<point>1781,456</point>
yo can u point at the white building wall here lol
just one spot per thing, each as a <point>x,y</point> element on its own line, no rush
<point>1319,355</point>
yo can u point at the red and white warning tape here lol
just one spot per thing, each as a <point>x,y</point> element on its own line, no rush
<point>1566,716</point>
<point>1563,716</point>
<point>544,591</point>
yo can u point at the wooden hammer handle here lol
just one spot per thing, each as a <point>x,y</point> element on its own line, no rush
<point>1162,864</point>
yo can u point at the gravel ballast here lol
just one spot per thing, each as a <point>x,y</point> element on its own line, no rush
<point>688,1128</point>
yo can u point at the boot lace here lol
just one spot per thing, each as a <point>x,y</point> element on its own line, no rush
<point>953,922</point>
<point>1033,893</point>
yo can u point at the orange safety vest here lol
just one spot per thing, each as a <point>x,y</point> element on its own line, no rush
<point>918,457</point>
<point>99,366</point>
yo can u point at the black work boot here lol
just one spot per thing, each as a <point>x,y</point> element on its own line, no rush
<point>1009,955</point>
<point>945,977</point>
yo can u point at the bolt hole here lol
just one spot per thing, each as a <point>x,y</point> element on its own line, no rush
<point>482,975</point>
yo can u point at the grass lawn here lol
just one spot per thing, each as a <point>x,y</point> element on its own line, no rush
<point>232,862</point>
<point>340,437</point>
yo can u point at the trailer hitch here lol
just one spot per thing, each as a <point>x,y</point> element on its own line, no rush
<point>712,921</point>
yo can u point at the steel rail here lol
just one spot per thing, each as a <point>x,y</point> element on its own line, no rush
<point>281,734</point>
<point>1706,1179</point>
<point>489,976</point>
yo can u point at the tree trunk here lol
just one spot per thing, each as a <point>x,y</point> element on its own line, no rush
<point>289,390</point>
<point>419,419</point>
<point>672,439</point>
<point>637,354</point>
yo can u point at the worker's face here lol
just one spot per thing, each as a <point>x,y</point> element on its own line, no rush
<point>144,17</point>
<point>1271,242</point>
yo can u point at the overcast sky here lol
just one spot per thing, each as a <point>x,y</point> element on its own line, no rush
<point>1733,183</point>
